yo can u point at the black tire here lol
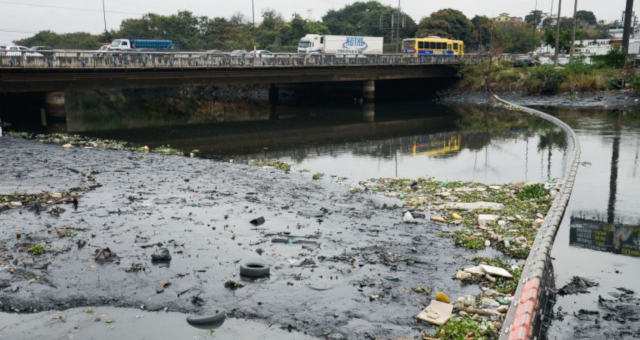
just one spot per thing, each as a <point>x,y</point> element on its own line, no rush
<point>254,269</point>
<point>209,321</point>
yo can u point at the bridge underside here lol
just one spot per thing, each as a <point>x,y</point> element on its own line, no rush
<point>45,80</point>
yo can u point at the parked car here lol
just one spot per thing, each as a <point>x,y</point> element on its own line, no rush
<point>40,48</point>
<point>261,54</point>
<point>238,53</point>
<point>216,52</point>
<point>524,61</point>
<point>16,51</point>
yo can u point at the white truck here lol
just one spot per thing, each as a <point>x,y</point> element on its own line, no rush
<point>340,44</point>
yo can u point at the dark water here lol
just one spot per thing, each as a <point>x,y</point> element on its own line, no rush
<point>599,236</point>
<point>418,139</point>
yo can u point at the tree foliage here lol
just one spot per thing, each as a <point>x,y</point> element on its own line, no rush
<point>449,23</point>
<point>78,40</point>
<point>369,18</point>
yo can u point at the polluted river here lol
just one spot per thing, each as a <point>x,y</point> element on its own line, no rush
<point>121,229</point>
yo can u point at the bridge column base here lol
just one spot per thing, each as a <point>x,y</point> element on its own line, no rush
<point>274,98</point>
<point>55,106</point>
<point>369,112</point>
<point>369,91</point>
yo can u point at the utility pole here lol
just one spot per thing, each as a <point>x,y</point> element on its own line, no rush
<point>104,16</point>
<point>398,30</point>
<point>535,17</point>
<point>628,14</point>
<point>555,62</point>
<point>393,34</point>
<point>573,34</point>
<point>253,25</point>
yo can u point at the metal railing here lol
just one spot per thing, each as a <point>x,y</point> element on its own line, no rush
<point>67,59</point>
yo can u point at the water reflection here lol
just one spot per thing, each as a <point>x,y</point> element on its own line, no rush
<point>406,139</point>
<point>596,234</point>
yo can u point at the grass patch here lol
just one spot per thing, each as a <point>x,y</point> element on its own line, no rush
<point>317,176</point>
<point>274,164</point>
<point>533,192</point>
<point>37,250</point>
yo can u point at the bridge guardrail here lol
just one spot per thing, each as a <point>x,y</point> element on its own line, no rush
<point>69,59</point>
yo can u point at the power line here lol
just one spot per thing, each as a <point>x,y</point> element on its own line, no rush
<point>66,8</point>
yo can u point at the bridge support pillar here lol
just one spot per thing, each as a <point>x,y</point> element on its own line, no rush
<point>274,97</point>
<point>369,112</point>
<point>369,91</point>
<point>54,116</point>
<point>54,103</point>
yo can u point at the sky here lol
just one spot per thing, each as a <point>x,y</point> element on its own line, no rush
<point>23,18</point>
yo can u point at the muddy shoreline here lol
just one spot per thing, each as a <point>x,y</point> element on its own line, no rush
<point>587,100</point>
<point>341,248</point>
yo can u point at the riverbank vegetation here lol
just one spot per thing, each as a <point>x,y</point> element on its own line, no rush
<point>605,73</point>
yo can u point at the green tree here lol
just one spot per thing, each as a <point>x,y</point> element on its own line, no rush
<point>448,23</point>
<point>587,17</point>
<point>515,37</point>
<point>481,33</point>
<point>80,40</point>
<point>549,38</point>
<point>369,18</point>
<point>534,18</point>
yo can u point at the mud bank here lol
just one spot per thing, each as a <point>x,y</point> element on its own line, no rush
<point>342,264</point>
<point>608,99</point>
<point>107,323</point>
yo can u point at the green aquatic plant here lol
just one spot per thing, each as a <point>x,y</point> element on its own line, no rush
<point>37,249</point>
<point>286,167</point>
<point>533,192</point>
<point>459,328</point>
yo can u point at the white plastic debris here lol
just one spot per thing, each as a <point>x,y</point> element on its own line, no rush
<point>408,218</point>
<point>497,271</point>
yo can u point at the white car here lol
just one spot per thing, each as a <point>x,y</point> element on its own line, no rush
<point>17,51</point>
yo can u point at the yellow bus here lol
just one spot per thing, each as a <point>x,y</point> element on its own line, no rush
<point>432,46</point>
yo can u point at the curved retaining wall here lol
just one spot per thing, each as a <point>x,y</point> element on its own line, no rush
<point>527,307</point>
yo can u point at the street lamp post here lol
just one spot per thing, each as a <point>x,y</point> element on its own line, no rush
<point>628,14</point>
<point>253,25</point>
<point>104,16</point>
<point>555,63</point>
<point>573,35</point>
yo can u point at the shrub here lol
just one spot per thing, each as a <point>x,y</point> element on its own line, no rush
<point>546,79</point>
<point>615,58</point>
<point>533,191</point>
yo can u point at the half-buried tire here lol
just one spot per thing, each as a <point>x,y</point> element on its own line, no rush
<point>212,321</point>
<point>254,269</point>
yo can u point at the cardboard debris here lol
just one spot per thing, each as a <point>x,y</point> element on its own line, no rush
<point>497,271</point>
<point>437,313</point>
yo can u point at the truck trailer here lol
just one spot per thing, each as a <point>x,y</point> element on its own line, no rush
<point>141,45</point>
<point>340,44</point>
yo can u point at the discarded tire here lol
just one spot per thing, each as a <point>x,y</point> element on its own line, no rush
<point>209,321</point>
<point>254,269</point>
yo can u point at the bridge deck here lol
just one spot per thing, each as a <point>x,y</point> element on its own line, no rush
<point>61,70</point>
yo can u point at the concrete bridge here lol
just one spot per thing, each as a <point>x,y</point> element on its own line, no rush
<point>52,73</point>
<point>62,70</point>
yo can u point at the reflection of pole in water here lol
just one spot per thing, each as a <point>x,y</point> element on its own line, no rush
<point>613,179</point>
<point>526,161</point>
<point>635,162</point>
<point>396,157</point>
<point>486,161</point>
<point>549,162</point>
<point>369,112</point>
